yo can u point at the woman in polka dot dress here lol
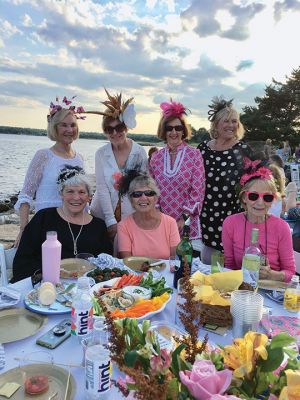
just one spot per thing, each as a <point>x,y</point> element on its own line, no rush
<point>223,159</point>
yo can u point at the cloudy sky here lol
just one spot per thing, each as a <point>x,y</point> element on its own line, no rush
<point>190,50</point>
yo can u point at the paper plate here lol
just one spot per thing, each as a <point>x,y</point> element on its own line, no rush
<point>135,263</point>
<point>19,323</point>
<point>267,284</point>
<point>72,268</point>
<point>58,378</point>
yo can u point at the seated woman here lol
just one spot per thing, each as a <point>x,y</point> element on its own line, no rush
<point>258,191</point>
<point>77,230</point>
<point>147,232</point>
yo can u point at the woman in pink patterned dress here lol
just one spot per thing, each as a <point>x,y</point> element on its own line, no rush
<point>178,170</point>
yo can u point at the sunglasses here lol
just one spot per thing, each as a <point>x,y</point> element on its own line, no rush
<point>36,278</point>
<point>267,197</point>
<point>109,130</point>
<point>139,193</point>
<point>178,128</point>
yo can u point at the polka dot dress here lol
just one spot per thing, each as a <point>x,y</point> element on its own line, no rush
<point>222,170</point>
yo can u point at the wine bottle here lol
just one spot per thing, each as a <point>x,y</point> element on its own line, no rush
<point>252,258</point>
<point>184,253</point>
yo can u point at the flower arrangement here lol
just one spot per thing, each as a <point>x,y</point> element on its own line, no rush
<point>250,368</point>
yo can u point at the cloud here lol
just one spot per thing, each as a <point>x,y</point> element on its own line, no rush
<point>244,64</point>
<point>7,29</point>
<point>27,21</point>
<point>280,7</point>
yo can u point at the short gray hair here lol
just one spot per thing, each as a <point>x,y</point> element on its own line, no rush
<point>143,180</point>
<point>76,180</point>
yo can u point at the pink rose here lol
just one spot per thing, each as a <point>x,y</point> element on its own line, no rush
<point>225,397</point>
<point>204,381</point>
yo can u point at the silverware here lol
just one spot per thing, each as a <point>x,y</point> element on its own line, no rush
<point>52,396</point>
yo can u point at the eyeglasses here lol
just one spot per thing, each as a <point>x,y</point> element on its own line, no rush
<point>267,197</point>
<point>139,193</point>
<point>36,278</point>
<point>109,130</point>
<point>178,128</point>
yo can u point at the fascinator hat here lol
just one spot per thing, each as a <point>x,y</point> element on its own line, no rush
<point>116,108</point>
<point>72,175</point>
<point>218,104</point>
<point>170,111</point>
<point>173,109</point>
<point>255,169</point>
<point>65,105</point>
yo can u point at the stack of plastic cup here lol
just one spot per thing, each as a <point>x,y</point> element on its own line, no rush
<point>246,310</point>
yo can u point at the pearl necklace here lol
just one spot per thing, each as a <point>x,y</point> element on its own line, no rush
<point>72,234</point>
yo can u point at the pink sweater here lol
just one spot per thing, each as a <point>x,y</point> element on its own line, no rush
<point>279,244</point>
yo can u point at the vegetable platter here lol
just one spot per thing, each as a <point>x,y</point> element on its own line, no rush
<point>131,296</point>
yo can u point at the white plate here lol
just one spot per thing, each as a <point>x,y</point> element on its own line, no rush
<point>111,282</point>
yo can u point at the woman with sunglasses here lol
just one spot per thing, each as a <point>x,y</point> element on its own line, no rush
<point>77,230</point>
<point>223,159</point>
<point>178,169</point>
<point>147,232</point>
<point>112,159</point>
<point>258,191</point>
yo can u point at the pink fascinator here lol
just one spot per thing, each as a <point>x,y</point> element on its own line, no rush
<point>173,109</point>
<point>53,108</point>
<point>254,169</point>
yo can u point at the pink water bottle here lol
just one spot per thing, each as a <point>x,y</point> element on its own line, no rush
<point>51,256</point>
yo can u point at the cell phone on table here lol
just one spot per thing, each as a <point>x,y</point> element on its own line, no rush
<point>56,335</point>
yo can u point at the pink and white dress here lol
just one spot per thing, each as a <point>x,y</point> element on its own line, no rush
<point>182,185</point>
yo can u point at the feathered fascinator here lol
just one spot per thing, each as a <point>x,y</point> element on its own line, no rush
<point>254,169</point>
<point>217,104</point>
<point>116,108</point>
<point>173,109</point>
<point>124,180</point>
<point>69,171</point>
<point>53,108</point>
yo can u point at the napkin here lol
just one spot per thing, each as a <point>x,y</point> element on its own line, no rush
<point>8,297</point>
<point>104,260</point>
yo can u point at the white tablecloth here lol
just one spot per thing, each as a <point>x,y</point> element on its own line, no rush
<point>70,351</point>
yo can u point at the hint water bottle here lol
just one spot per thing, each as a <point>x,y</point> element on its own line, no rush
<point>2,356</point>
<point>98,366</point>
<point>82,310</point>
<point>252,258</point>
<point>51,256</point>
<point>184,251</point>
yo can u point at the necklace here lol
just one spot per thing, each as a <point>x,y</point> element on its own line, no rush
<point>72,234</point>
<point>265,255</point>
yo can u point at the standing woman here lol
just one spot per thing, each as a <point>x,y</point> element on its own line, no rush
<point>223,160</point>
<point>178,170</point>
<point>40,179</point>
<point>112,159</point>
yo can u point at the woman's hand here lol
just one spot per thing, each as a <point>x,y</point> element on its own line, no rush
<point>266,272</point>
<point>112,231</point>
<point>180,224</point>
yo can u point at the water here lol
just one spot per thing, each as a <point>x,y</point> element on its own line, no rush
<point>16,152</point>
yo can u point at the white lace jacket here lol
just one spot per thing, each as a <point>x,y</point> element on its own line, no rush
<point>40,179</point>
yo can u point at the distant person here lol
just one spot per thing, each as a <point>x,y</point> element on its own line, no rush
<point>113,159</point>
<point>280,150</point>
<point>279,204</point>
<point>269,149</point>
<point>77,231</point>
<point>178,169</point>
<point>151,151</point>
<point>286,152</point>
<point>278,161</point>
<point>40,179</point>
<point>297,153</point>
<point>223,158</point>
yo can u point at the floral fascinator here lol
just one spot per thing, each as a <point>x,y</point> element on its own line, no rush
<point>53,108</point>
<point>68,172</point>
<point>173,109</point>
<point>217,104</point>
<point>254,169</point>
<point>116,108</point>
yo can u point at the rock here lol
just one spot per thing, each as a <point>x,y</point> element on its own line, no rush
<point>4,206</point>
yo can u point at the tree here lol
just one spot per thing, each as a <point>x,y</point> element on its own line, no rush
<point>277,115</point>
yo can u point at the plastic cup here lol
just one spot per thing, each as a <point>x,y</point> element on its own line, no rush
<point>217,262</point>
<point>84,256</point>
<point>246,310</point>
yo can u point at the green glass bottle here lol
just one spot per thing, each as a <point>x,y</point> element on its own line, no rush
<point>184,250</point>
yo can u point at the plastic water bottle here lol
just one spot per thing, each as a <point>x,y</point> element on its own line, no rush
<point>51,256</point>
<point>82,310</point>
<point>2,356</point>
<point>98,367</point>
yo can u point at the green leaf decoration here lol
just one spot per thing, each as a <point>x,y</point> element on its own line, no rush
<point>130,358</point>
<point>274,360</point>
<point>281,340</point>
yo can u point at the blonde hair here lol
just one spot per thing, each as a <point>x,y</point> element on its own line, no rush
<point>161,130</point>
<point>246,188</point>
<point>222,114</point>
<point>56,119</point>
<point>278,178</point>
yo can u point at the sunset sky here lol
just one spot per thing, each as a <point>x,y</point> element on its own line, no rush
<point>190,50</point>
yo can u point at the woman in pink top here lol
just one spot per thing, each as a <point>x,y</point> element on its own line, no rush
<point>147,232</point>
<point>258,191</point>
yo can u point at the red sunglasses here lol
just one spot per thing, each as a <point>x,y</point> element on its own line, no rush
<point>267,197</point>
